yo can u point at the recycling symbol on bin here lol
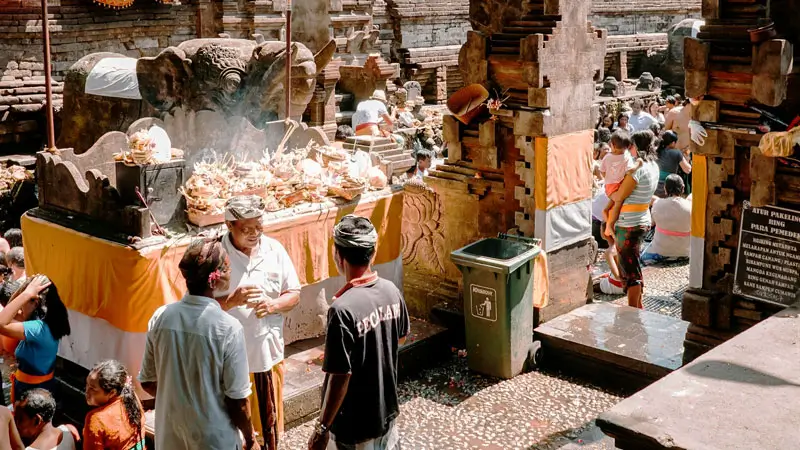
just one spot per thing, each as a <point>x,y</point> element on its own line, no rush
<point>483,302</point>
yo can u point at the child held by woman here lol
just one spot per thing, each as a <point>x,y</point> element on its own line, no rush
<point>615,166</point>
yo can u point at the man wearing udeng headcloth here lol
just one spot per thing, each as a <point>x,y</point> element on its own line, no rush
<point>263,287</point>
<point>367,323</point>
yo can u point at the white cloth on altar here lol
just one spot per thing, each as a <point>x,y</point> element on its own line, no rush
<point>114,77</point>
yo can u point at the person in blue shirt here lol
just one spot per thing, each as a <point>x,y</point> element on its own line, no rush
<point>37,318</point>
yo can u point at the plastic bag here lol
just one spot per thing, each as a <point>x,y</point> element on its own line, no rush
<point>697,132</point>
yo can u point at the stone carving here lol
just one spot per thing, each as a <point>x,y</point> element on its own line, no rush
<point>216,85</point>
<point>648,83</point>
<point>88,196</point>
<point>414,90</point>
<point>423,237</point>
<point>669,64</point>
<point>361,81</point>
<point>361,42</point>
<point>612,88</point>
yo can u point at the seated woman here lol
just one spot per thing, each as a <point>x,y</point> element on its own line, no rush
<point>669,160</point>
<point>37,318</point>
<point>116,421</point>
<point>672,217</point>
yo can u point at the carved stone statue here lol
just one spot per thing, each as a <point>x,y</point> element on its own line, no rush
<point>211,93</point>
<point>647,82</point>
<point>612,88</point>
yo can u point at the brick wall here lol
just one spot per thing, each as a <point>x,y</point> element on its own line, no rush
<point>78,27</point>
<point>429,23</point>
<point>382,20</point>
<point>622,17</point>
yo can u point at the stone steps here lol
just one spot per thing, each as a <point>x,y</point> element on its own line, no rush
<point>526,30</point>
<point>549,24</point>
<point>426,344</point>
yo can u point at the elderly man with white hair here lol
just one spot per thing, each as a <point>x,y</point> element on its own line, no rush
<point>263,287</point>
<point>369,114</point>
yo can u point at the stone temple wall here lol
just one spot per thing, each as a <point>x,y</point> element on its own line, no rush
<point>624,17</point>
<point>78,27</point>
<point>424,36</point>
<point>636,29</point>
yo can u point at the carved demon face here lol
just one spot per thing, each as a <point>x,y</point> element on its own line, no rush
<point>234,76</point>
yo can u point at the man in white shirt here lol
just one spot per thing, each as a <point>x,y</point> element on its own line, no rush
<point>264,286</point>
<point>370,113</point>
<point>195,362</point>
<point>639,119</point>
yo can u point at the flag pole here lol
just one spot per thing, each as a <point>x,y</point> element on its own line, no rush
<point>288,85</point>
<point>48,88</point>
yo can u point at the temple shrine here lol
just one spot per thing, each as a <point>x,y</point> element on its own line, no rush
<point>165,109</point>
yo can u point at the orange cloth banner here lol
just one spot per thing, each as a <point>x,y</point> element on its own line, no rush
<point>124,286</point>
<point>563,169</point>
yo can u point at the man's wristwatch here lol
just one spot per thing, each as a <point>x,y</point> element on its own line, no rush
<point>320,428</point>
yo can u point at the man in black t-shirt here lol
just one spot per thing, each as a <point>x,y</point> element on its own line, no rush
<point>367,323</point>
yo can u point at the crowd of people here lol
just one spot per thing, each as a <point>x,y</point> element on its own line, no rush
<point>214,360</point>
<point>642,167</point>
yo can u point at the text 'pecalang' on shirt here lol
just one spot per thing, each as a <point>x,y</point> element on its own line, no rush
<point>365,325</point>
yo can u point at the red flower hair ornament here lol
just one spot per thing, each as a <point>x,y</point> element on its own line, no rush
<point>213,277</point>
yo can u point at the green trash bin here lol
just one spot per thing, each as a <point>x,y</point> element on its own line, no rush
<point>498,303</point>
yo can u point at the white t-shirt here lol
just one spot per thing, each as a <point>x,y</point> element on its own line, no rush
<point>641,121</point>
<point>369,111</point>
<point>270,268</point>
<point>671,214</point>
<point>67,441</point>
<point>613,167</point>
<point>196,352</point>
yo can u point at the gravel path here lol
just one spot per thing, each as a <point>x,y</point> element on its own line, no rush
<point>449,407</point>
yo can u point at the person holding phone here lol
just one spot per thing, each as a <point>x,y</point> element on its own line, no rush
<point>263,287</point>
<point>37,318</point>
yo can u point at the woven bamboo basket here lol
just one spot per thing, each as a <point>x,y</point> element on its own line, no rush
<point>346,193</point>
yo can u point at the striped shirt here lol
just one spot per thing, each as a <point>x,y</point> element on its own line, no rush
<point>646,179</point>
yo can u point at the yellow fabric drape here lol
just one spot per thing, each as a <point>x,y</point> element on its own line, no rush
<point>699,195</point>
<point>102,279</point>
<point>124,286</point>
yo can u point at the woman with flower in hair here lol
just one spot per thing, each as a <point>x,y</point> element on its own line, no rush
<point>195,361</point>
<point>116,421</point>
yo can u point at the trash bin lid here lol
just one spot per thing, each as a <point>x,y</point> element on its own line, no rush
<point>495,255</point>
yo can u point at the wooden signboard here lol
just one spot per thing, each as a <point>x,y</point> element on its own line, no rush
<point>768,265</point>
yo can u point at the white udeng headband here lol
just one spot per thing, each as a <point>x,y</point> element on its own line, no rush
<point>244,207</point>
<point>350,240</point>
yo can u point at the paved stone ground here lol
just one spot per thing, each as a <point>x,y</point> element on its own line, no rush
<point>663,289</point>
<point>449,407</point>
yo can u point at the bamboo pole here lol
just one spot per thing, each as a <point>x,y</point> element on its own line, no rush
<point>51,137</point>
<point>288,85</point>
